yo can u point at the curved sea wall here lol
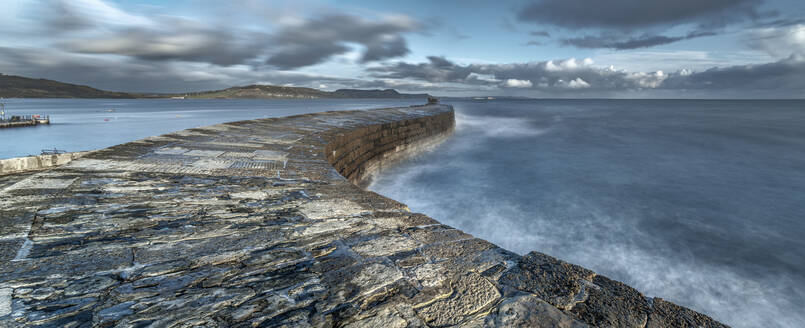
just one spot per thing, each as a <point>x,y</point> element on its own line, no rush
<point>358,153</point>
<point>261,223</point>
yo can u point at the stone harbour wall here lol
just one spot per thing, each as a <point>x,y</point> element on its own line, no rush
<point>359,153</point>
<point>261,224</point>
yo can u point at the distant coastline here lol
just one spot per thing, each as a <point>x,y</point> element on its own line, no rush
<point>12,86</point>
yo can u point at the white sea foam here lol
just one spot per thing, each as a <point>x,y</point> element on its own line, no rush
<point>497,127</point>
<point>598,243</point>
<point>460,190</point>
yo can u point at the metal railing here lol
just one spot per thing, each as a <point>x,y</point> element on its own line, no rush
<point>24,118</point>
<point>53,151</point>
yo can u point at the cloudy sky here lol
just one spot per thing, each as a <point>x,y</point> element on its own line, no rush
<point>540,48</point>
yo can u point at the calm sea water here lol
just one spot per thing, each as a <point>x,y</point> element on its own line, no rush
<point>86,124</point>
<point>699,202</point>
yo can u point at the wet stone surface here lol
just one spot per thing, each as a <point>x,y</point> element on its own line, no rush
<point>249,224</point>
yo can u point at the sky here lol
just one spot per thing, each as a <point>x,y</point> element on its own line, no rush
<point>539,48</point>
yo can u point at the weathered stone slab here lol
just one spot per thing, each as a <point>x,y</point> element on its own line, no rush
<point>271,155</point>
<point>203,153</point>
<point>525,310</point>
<point>171,151</point>
<point>560,283</point>
<point>41,183</point>
<point>470,294</point>
<point>666,314</point>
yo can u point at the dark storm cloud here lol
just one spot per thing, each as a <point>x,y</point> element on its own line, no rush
<point>105,73</point>
<point>395,46</point>
<point>437,69</point>
<point>65,18</point>
<point>109,48</point>
<point>779,40</point>
<point>175,39</point>
<point>564,75</point>
<point>618,20</point>
<point>296,56</point>
<point>98,44</point>
<point>644,41</point>
<point>782,22</point>
<point>561,78</point>
<point>538,34</point>
<point>303,43</point>
<point>400,85</point>
<point>786,76</point>
<point>315,40</point>
<point>626,14</point>
<point>134,75</point>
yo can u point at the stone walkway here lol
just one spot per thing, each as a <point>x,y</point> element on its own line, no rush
<point>249,224</point>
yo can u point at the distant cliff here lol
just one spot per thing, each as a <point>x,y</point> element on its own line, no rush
<point>259,92</point>
<point>273,91</point>
<point>22,87</point>
<point>388,93</point>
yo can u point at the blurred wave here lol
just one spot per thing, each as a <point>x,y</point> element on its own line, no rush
<point>698,202</point>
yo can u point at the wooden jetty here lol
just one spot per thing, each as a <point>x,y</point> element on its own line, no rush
<point>24,120</point>
<point>14,121</point>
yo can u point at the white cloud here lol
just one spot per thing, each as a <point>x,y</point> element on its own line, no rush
<point>576,83</point>
<point>782,77</point>
<point>779,41</point>
<point>674,60</point>
<point>101,12</point>
<point>515,83</point>
<point>651,80</point>
<point>567,64</point>
<point>482,77</point>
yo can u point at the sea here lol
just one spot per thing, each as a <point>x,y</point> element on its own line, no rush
<point>699,202</point>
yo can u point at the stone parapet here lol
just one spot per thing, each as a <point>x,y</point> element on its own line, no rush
<point>37,162</point>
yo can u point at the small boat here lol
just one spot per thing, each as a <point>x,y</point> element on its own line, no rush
<point>41,119</point>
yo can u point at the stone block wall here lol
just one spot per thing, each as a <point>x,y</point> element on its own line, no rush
<point>39,162</point>
<point>359,153</point>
